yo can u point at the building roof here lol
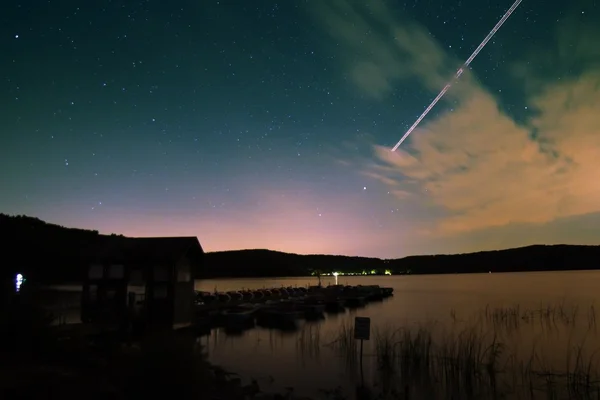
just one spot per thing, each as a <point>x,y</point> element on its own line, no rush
<point>151,250</point>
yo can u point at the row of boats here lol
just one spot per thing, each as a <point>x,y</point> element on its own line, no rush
<point>280,307</point>
<point>250,295</point>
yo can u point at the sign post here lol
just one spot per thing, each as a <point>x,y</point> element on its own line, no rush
<point>362,332</point>
<point>362,328</point>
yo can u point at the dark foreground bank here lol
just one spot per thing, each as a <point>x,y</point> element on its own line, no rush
<point>38,362</point>
<point>482,357</point>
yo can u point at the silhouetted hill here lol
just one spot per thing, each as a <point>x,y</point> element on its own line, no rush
<point>53,253</point>
<point>531,258</point>
<point>522,259</point>
<point>248,263</point>
<point>47,252</point>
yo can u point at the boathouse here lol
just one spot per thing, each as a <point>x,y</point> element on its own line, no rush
<point>146,280</point>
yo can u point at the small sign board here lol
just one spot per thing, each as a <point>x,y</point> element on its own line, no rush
<point>362,328</point>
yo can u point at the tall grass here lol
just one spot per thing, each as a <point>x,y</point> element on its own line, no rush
<point>309,340</point>
<point>548,315</point>
<point>344,343</point>
<point>485,357</point>
<point>460,363</point>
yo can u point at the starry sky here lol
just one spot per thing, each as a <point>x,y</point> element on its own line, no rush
<point>265,124</point>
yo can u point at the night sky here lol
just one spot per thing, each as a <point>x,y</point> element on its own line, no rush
<point>264,124</point>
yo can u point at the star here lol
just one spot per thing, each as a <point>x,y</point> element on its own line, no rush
<point>265,115</point>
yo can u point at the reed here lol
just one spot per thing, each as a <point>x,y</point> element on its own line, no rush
<point>343,343</point>
<point>480,358</point>
<point>309,340</point>
<point>511,318</point>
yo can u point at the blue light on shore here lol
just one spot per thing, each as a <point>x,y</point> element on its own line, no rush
<point>18,282</point>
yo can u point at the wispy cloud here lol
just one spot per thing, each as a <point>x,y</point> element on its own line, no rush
<point>476,163</point>
<point>377,50</point>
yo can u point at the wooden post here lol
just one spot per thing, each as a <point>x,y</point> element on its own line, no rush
<point>362,374</point>
<point>361,352</point>
<point>362,332</point>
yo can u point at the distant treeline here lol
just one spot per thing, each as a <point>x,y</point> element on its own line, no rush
<point>268,263</point>
<point>532,258</point>
<point>47,252</point>
<point>53,253</point>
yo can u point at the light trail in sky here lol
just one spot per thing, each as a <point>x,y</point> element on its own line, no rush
<point>460,71</point>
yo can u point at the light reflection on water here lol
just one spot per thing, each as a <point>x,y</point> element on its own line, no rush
<point>450,303</point>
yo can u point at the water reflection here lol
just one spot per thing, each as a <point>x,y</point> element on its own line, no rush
<point>518,326</point>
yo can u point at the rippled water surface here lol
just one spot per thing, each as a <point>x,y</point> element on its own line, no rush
<point>528,321</point>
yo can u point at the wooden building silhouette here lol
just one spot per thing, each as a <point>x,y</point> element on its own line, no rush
<point>143,281</point>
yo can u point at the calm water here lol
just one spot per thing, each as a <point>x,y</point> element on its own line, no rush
<point>448,303</point>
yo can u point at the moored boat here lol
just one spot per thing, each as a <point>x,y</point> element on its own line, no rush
<point>281,312</point>
<point>235,296</point>
<point>284,316</point>
<point>247,295</point>
<point>223,297</point>
<point>203,298</point>
<point>239,314</point>
<point>353,301</point>
<point>334,306</point>
<point>258,295</point>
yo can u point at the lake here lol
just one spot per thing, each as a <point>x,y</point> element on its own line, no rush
<point>539,329</point>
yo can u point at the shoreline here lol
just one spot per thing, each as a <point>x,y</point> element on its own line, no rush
<point>69,285</point>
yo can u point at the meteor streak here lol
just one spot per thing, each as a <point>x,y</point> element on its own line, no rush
<point>460,71</point>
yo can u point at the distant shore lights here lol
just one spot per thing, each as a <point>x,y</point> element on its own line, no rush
<point>371,272</point>
<point>336,274</point>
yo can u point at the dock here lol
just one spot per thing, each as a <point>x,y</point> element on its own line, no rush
<point>273,308</point>
<point>279,307</point>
